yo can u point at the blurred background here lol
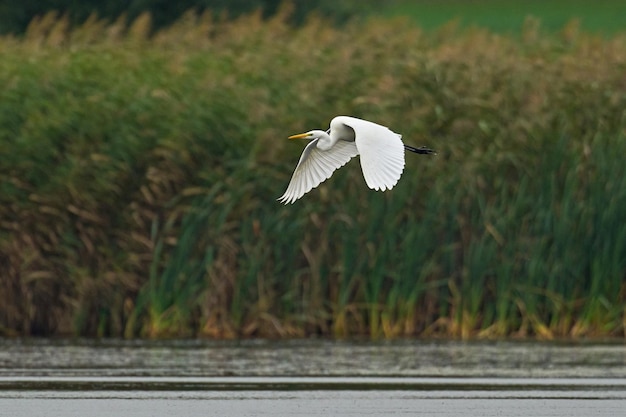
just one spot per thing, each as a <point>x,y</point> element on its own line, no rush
<point>603,16</point>
<point>143,146</point>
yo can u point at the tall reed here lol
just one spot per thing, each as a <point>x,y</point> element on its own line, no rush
<point>139,175</point>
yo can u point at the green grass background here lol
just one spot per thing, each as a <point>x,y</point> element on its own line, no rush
<point>139,176</point>
<point>601,16</point>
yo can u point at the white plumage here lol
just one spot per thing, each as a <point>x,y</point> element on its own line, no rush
<point>381,151</point>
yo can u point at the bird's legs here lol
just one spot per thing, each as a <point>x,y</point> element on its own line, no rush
<point>421,149</point>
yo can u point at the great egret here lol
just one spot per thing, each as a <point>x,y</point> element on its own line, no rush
<point>381,150</point>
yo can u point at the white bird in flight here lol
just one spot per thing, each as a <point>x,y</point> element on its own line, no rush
<point>381,151</point>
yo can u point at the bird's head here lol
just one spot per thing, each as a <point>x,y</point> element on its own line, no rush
<point>310,135</point>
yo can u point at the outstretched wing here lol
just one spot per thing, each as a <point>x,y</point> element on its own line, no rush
<point>381,152</point>
<point>316,166</point>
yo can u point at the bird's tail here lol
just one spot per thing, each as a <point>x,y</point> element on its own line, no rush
<point>422,149</point>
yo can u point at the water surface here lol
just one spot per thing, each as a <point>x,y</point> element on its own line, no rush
<point>312,377</point>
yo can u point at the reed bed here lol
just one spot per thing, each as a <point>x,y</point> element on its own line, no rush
<point>139,175</point>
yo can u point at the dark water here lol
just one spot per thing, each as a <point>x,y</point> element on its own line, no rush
<point>188,378</point>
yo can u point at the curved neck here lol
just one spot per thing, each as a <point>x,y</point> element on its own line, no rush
<point>325,141</point>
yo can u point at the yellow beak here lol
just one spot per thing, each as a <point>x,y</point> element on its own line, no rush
<point>300,136</point>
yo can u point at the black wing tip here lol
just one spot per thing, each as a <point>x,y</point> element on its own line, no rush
<point>421,150</point>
